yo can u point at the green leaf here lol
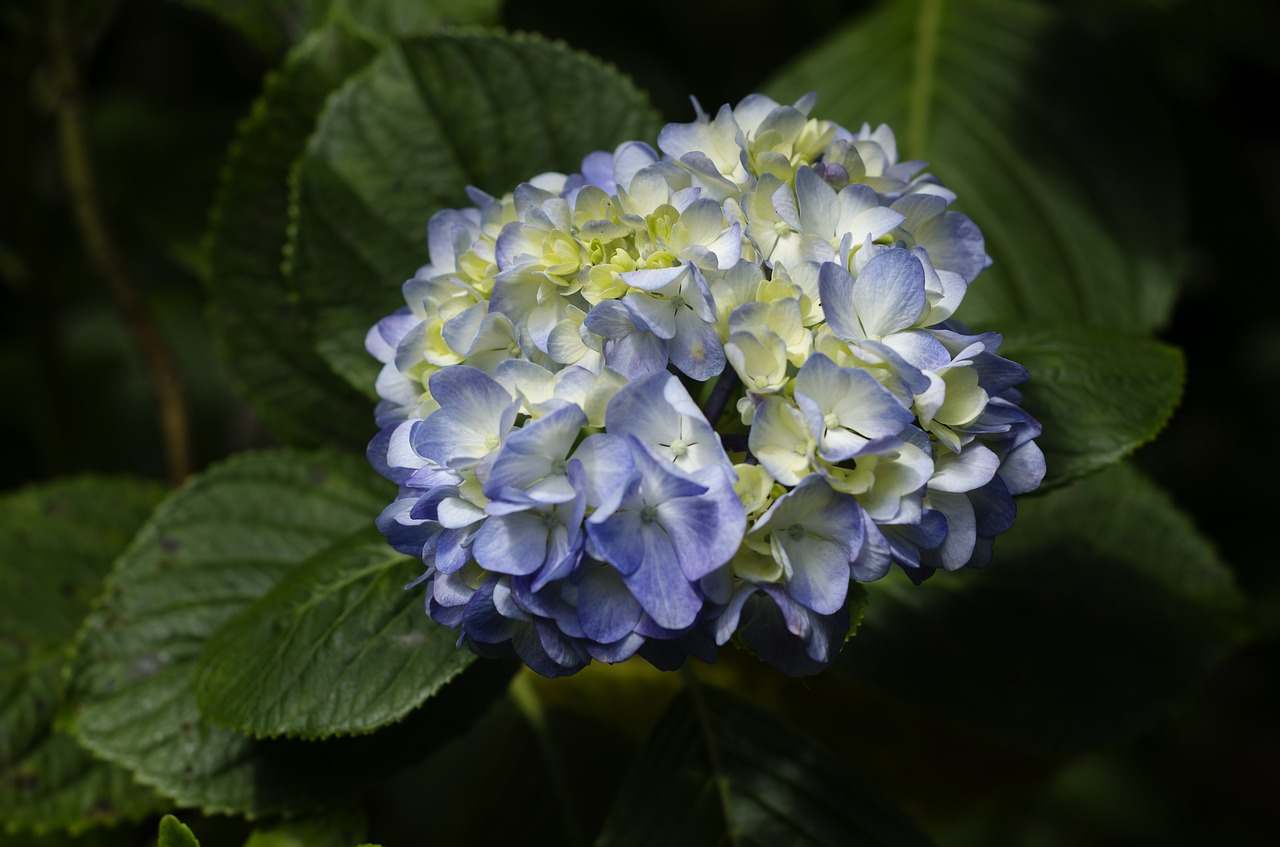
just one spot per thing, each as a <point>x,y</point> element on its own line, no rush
<point>263,336</point>
<point>718,770</point>
<point>273,25</point>
<point>389,18</point>
<point>1079,195</point>
<point>211,549</point>
<point>1098,394</point>
<point>57,541</point>
<point>175,833</point>
<point>336,647</point>
<point>403,139</point>
<point>341,828</point>
<point>1102,605</point>
<point>270,25</point>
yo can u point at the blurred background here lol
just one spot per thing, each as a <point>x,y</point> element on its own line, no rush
<point>165,84</point>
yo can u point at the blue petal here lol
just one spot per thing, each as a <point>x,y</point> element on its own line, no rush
<point>659,584</point>
<point>655,279</point>
<point>835,286</point>
<point>993,508</point>
<point>606,467</point>
<point>610,319</point>
<point>696,349</point>
<point>655,314</point>
<point>614,538</point>
<point>452,550</point>
<point>512,544</point>
<point>483,621</point>
<point>597,167</point>
<point>617,651</point>
<point>767,631</point>
<point>528,646</point>
<point>606,609</point>
<point>384,337</point>
<point>820,573</point>
<point>1023,468</point>
<point>636,355</point>
<point>405,533</point>
<point>874,557</point>
<point>888,294</point>
<point>526,458</point>
<point>706,530</point>
<point>568,656</point>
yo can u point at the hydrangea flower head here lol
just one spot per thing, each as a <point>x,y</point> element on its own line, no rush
<point>688,394</point>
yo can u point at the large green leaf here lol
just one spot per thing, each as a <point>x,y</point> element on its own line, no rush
<point>717,770</point>
<point>57,542</point>
<point>270,25</point>
<point>389,18</point>
<point>1099,394</point>
<point>1078,194</point>
<point>1103,604</point>
<point>264,338</point>
<point>210,550</point>
<point>273,25</point>
<point>336,647</point>
<point>405,137</point>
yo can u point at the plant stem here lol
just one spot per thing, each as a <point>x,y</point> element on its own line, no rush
<point>726,384</point>
<point>82,192</point>
<point>718,775</point>
<point>525,697</point>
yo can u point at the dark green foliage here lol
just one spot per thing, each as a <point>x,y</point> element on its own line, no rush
<point>1098,394</point>
<point>725,772</point>
<point>336,647</point>
<point>992,95</point>
<point>263,335</point>
<point>214,547</point>
<point>274,25</point>
<point>56,545</point>
<point>1102,604</point>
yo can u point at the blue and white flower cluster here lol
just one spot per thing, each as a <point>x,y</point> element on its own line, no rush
<point>691,393</point>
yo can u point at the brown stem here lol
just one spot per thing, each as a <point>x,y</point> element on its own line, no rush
<point>82,192</point>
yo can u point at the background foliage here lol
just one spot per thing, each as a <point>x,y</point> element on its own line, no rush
<point>236,649</point>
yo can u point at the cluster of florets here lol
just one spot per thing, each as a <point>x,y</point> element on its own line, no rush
<point>674,398</point>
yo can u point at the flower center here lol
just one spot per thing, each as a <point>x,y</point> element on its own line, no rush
<point>679,448</point>
<point>649,514</point>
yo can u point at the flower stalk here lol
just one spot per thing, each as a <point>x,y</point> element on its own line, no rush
<point>81,186</point>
